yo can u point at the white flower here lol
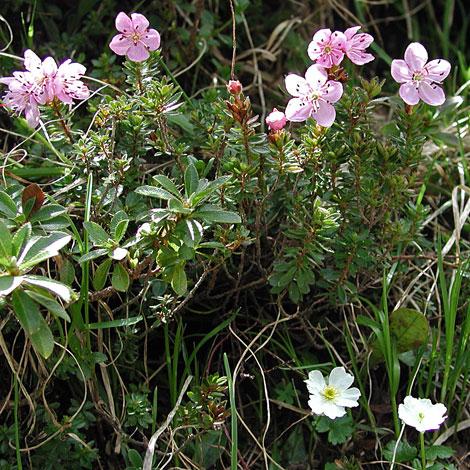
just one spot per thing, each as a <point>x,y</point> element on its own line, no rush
<point>330,396</point>
<point>421,413</point>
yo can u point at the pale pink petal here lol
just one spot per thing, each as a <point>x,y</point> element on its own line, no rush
<point>325,114</point>
<point>338,40</point>
<point>7,80</point>
<point>332,91</point>
<point>431,94</point>
<point>409,93</point>
<point>151,39</point>
<point>359,57</point>
<point>350,32</point>
<point>137,52</point>
<point>320,39</point>
<point>31,112</point>
<point>360,41</point>
<point>400,71</point>
<point>416,56</point>
<point>139,22</point>
<point>296,85</point>
<point>123,23</point>
<point>316,76</point>
<point>120,44</point>
<point>49,67</point>
<point>438,69</point>
<point>32,62</point>
<point>298,110</point>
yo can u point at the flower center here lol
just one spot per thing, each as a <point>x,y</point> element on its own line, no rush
<point>418,77</point>
<point>327,49</point>
<point>135,37</point>
<point>420,417</point>
<point>331,393</point>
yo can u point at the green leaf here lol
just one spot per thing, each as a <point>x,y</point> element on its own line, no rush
<point>99,279</point>
<point>48,212</point>
<point>9,283</point>
<point>33,323</point>
<point>5,244</point>
<point>7,205</point>
<point>54,307</point>
<point>57,288</point>
<point>152,191</point>
<point>93,255</point>
<point>67,272</point>
<point>20,237</point>
<point>96,233</point>
<point>118,226</point>
<point>203,194</point>
<point>135,458</point>
<point>120,278</point>
<point>191,180</point>
<point>175,205</point>
<point>340,429</point>
<point>404,453</point>
<point>193,233</point>
<point>210,213</point>
<point>38,249</point>
<point>438,452</point>
<point>179,282</point>
<point>116,323</point>
<point>168,185</point>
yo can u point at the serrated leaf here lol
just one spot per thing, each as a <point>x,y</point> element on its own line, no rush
<point>7,205</point>
<point>120,278</point>
<point>96,233</point>
<point>438,452</point>
<point>191,180</point>
<point>168,184</point>
<point>33,323</point>
<point>9,283</point>
<point>340,429</point>
<point>99,279</point>
<point>57,288</point>
<point>152,191</point>
<point>53,306</point>
<point>179,282</point>
<point>404,452</point>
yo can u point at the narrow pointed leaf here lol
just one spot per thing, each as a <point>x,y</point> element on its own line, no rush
<point>38,249</point>
<point>93,255</point>
<point>57,288</point>
<point>9,283</point>
<point>53,306</point>
<point>101,274</point>
<point>166,182</point>
<point>5,243</point>
<point>191,180</point>
<point>152,191</point>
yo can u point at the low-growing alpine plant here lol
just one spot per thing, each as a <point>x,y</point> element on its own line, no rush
<point>166,205</point>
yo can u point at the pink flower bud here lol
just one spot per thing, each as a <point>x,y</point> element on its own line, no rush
<point>234,87</point>
<point>276,120</point>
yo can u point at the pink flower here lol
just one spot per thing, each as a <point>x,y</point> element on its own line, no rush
<point>327,48</point>
<point>135,40</point>
<point>276,120</point>
<point>22,96</point>
<point>234,87</point>
<point>67,84</point>
<point>313,96</point>
<point>356,44</point>
<point>419,78</point>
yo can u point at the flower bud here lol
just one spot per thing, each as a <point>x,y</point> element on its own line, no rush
<point>234,87</point>
<point>276,120</point>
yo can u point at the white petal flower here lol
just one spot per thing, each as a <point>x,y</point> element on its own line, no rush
<point>330,396</point>
<point>421,414</point>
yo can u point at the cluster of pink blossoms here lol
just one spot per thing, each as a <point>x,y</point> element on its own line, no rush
<point>313,95</point>
<point>40,83</point>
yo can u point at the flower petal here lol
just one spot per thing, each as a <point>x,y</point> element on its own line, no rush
<point>349,397</point>
<point>416,56</point>
<point>332,91</point>
<point>340,378</point>
<point>32,62</point>
<point>320,407</point>
<point>123,23</point>
<point>316,76</point>
<point>297,85</point>
<point>315,382</point>
<point>151,39</point>
<point>409,93</point>
<point>438,69</point>
<point>298,110</point>
<point>431,94</point>
<point>139,22</point>
<point>325,114</point>
<point>120,44</point>
<point>359,57</point>
<point>138,52</point>
<point>401,73</point>
<point>350,32</point>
